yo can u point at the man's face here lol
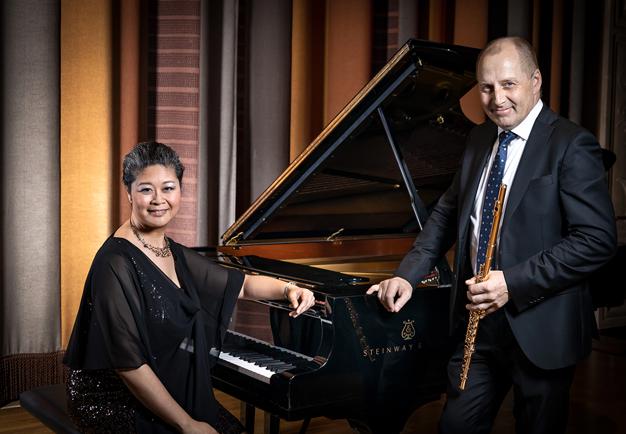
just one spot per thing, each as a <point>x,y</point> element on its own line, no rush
<point>508,91</point>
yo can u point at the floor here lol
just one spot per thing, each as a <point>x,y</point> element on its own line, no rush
<point>598,402</point>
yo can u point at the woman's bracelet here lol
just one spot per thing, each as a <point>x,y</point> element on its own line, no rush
<point>287,288</point>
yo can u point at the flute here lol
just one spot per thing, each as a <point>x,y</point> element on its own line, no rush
<point>483,272</point>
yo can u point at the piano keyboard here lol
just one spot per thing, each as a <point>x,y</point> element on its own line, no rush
<point>258,359</point>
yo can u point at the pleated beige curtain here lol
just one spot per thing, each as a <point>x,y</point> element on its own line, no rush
<point>253,86</point>
<point>269,77</point>
<point>59,158</point>
<point>30,325</point>
<point>217,160</point>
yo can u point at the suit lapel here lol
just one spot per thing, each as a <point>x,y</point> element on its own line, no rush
<point>535,146</point>
<point>485,141</point>
<point>477,156</point>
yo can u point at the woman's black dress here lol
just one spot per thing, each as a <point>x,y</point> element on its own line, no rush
<point>131,313</point>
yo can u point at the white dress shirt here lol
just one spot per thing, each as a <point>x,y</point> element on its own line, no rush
<point>514,155</point>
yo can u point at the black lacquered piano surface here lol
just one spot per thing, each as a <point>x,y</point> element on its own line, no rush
<point>338,220</point>
<point>347,359</point>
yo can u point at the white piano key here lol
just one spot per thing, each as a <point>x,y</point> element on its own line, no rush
<point>247,368</point>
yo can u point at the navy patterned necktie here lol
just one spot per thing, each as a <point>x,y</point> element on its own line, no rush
<point>491,194</point>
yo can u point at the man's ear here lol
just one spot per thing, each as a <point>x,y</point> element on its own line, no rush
<point>536,82</point>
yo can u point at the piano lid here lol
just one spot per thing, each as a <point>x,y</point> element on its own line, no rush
<point>348,182</point>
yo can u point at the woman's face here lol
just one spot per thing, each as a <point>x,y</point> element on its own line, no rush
<point>154,197</point>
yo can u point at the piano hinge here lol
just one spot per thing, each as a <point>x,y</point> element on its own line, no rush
<point>333,236</point>
<point>233,240</point>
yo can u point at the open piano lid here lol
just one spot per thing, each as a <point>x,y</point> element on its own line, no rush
<point>349,181</point>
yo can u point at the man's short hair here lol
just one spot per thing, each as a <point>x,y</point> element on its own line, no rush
<point>527,55</point>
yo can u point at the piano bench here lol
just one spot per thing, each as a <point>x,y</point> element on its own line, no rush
<point>49,405</point>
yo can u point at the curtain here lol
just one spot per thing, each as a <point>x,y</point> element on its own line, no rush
<point>217,168</point>
<point>269,91</point>
<point>86,145</point>
<point>30,191</point>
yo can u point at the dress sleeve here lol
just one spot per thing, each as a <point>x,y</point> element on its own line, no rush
<point>231,294</point>
<point>218,289</point>
<point>106,334</point>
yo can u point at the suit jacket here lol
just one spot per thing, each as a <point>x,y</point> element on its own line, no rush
<point>558,227</point>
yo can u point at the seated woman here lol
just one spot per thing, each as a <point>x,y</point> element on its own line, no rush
<point>151,313</point>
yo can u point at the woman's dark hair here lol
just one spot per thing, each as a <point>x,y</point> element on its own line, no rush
<point>147,154</point>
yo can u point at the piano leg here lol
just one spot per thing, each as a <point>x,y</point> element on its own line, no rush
<point>247,416</point>
<point>272,423</point>
<point>305,425</point>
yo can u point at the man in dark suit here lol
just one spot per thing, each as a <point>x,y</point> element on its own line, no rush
<point>557,227</point>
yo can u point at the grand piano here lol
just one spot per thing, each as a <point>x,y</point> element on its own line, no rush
<point>337,220</point>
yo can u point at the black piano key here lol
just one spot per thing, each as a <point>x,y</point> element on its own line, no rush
<point>264,354</point>
<point>269,362</point>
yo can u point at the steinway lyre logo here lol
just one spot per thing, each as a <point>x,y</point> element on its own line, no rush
<point>408,331</point>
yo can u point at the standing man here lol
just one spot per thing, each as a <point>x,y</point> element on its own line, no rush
<point>557,227</point>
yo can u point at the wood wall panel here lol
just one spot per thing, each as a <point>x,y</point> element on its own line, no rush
<point>348,52</point>
<point>131,93</point>
<point>307,74</point>
<point>470,29</point>
<point>556,69</point>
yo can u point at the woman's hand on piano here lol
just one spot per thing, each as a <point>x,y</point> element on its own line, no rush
<point>301,299</point>
<point>393,293</point>
<point>257,287</point>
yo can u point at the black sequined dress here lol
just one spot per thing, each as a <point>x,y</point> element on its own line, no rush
<point>132,314</point>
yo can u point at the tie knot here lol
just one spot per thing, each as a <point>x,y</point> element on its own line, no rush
<point>506,137</point>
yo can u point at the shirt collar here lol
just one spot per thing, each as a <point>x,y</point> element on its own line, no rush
<point>524,128</point>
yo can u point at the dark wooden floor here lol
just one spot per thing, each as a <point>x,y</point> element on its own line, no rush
<point>598,402</point>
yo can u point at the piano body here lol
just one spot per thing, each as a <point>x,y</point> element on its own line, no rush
<point>337,220</point>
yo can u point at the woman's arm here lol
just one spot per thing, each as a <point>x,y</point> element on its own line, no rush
<point>148,389</point>
<point>264,287</point>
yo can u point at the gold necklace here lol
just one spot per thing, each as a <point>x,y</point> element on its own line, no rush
<point>162,252</point>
